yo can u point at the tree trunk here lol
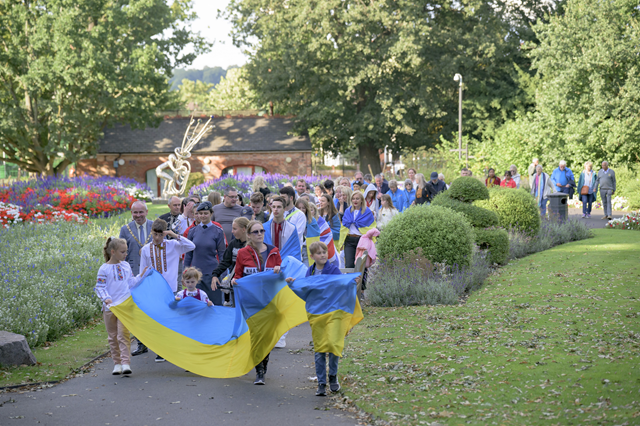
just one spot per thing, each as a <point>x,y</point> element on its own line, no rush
<point>369,156</point>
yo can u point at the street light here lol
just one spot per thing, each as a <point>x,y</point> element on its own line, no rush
<point>458,77</point>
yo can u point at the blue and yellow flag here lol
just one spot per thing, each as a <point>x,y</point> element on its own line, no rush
<point>291,245</point>
<point>332,308</point>
<point>363,221</point>
<point>214,341</point>
<point>313,235</point>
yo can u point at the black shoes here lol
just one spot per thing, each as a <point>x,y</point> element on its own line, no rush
<point>159,358</point>
<point>141,349</point>
<point>322,390</point>
<point>333,384</point>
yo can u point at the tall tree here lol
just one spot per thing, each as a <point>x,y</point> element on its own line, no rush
<point>370,74</point>
<point>70,68</point>
<point>233,92</point>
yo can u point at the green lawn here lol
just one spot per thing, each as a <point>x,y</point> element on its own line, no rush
<point>552,338</point>
<point>61,358</point>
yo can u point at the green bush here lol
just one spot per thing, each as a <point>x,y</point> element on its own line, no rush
<point>479,217</point>
<point>195,179</point>
<point>496,242</point>
<point>443,235</point>
<point>516,209</point>
<point>632,194</point>
<point>468,189</point>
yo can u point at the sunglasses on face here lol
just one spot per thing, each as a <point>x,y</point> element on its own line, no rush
<point>257,232</point>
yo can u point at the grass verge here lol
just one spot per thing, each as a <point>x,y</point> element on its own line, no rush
<point>60,358</point>
<point>552,338</point>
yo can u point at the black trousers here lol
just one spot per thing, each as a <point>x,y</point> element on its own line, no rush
<point>262,365</point>
<point>350,246</point>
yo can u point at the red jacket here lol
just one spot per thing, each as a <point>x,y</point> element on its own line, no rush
<point>511,184</point>
<point>248,262</point>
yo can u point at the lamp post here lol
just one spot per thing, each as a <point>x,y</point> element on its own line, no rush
<point>458,78</point>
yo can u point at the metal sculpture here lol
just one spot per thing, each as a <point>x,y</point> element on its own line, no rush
<point>178,163</point>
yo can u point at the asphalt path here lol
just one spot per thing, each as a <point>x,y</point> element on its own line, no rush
<point>595,221</point>
<point>164,394</point>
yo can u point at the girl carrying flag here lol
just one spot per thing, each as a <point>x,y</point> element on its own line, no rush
<point>357,220</point>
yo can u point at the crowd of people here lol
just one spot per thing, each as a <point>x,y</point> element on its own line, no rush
<point>202,246</point>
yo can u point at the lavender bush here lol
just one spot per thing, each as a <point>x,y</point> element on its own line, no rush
<point>410,281</point>
<point>243,183</point>
<point>551,234</point>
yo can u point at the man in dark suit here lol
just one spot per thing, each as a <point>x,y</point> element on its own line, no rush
<point>172,217</point>
<point>137,233</point>
<point>381,185</point>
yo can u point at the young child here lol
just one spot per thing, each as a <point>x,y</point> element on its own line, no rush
<point>190,278</point>
<point>113,283</point>
<point>319,254</point>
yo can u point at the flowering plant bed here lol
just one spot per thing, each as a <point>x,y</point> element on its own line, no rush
<point>243,183</point>
<point>628,221</point>
<point>71,199</point>
<point>617,203</point>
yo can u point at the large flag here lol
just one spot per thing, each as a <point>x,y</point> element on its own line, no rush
<point>312,235</point>
<point>363,221</point>
<point>291,245</point>
<point>214,341</point>
<point>332,308</point>
<point>326,236</point>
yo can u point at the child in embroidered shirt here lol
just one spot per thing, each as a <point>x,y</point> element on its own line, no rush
<point>190,278</point>
<point>113,283</point>
<point>319,254</point>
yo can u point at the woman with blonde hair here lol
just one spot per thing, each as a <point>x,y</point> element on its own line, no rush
<point>357,219</point>
<point>344,200</point>
<point>586,186</point>
<point>422,196</point>
<point>259,185</point>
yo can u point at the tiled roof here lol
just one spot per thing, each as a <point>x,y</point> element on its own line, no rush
<point>228,135</point>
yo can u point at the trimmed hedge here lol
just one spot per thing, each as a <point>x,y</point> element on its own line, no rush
<point>496,242</point>
<point>516,209</point>
<point>443,235</point>
<point>479,217</point>
<point>468,189</point>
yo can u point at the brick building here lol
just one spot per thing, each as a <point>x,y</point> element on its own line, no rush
<point>235,145</point>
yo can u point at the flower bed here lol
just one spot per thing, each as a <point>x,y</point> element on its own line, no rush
<point>48,273</point>
<point>628,221</point>
<point>70,199</point>
<point>242,183</point>
<point>617,203</point>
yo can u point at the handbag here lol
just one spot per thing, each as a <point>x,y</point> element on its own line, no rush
<point>584,190</point>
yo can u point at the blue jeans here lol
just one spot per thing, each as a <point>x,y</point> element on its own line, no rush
<point>543,206</point>
<point>587,203</point>
<point>321,366</point>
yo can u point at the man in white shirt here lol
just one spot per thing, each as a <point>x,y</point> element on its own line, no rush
<point>292,214</point>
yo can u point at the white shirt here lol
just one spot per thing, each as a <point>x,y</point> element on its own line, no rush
<point>166,259</point>
<point>114,282</point>
<point>185,222</point>
<point>300,221</point>
<point>353,229</point>
<point>384,216</point>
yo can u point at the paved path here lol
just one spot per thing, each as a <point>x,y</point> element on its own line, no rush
<point>596,220</point>
<point>163,394</point>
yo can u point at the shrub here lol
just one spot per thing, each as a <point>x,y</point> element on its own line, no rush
<point>443,235</point>
<point>468,189</point>
<point>632,193</point>
<point>477,216</point>
<point>550,235</point>
<point>516,209</point>
<point>496,242</point>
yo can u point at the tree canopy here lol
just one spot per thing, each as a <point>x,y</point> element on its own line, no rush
<point>380,73</point>
<point>70,68</point>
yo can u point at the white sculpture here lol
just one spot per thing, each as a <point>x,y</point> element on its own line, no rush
<point>178,163</point>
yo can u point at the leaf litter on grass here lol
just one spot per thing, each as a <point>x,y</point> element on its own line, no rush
<point>551,339</point>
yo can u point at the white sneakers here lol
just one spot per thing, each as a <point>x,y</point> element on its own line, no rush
<point>117,370</point>
<point>282,343</point>
<point>126,369</point>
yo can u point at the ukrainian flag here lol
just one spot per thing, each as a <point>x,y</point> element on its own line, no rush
<point>332,309</point>
<point>292,243</point>
<point>312,235</point>
<point>213,341</point>
<point>363,221</point>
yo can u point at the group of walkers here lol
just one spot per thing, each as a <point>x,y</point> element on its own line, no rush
<point>563,180</point>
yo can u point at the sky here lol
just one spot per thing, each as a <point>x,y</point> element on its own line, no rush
<point>223,53</point>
